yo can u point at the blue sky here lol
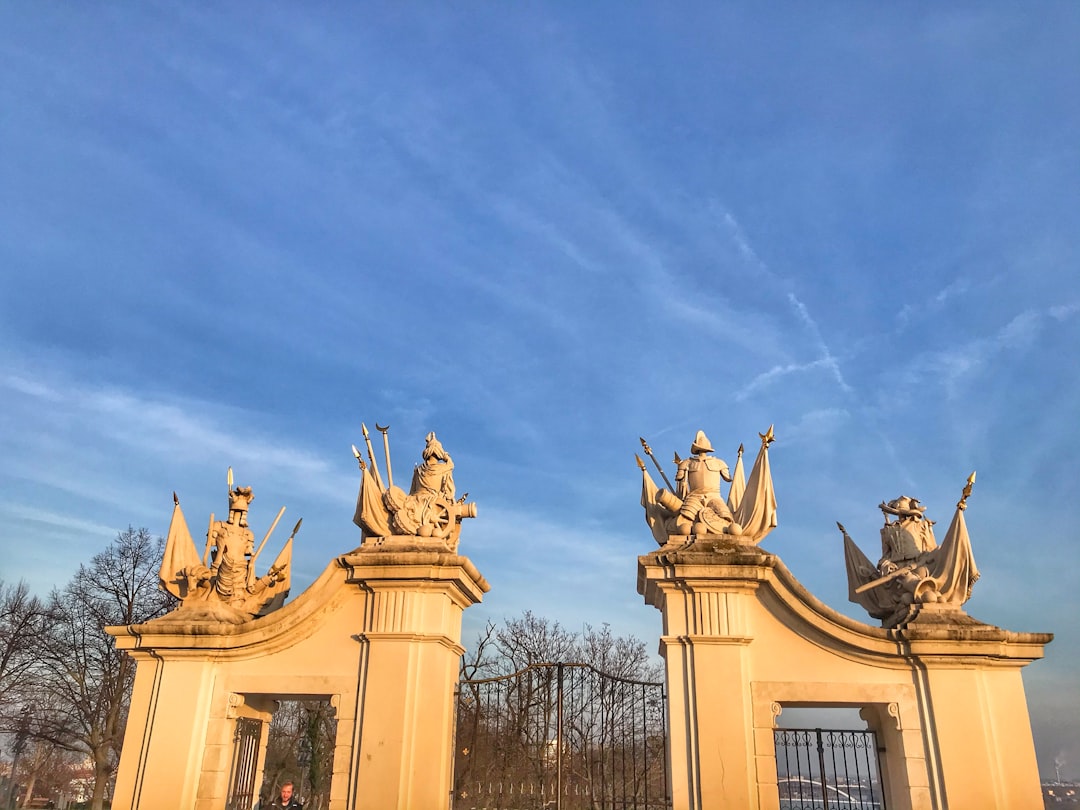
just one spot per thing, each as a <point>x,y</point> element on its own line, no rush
<point>228,236</point>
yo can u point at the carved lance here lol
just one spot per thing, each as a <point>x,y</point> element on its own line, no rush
<point>385,429</point>
<point>371,456</point>
<point>899,572</point>
<point>649,453</point>
<point>209,540</point>
<point>962,505</point>
<point>269,532</point>
<point>359,458</point>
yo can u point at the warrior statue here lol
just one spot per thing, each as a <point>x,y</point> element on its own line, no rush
<point>702,510</point>
<point>695,507</point>
<point>428,513</point>
<point>914,570</point>
<point>222,585</point>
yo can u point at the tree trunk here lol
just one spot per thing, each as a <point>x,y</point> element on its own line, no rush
<point>29,789</point>
<point>102,772</point>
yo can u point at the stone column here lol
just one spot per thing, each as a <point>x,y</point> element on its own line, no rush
<point>706,605</point>
<point>978,728</point>
<point>410,637</point>
<point>377,635</point>
<point>742,639</point>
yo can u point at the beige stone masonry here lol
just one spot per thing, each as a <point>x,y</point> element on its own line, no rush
<point>377,635</point>
<point>742,640</point>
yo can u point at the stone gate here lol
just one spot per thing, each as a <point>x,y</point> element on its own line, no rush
<point>377,636</point>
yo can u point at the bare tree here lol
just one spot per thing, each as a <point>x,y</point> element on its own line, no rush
<point>22,617</point>
<point>300,748</point>
<point>621,656</point>
<point>86,681</point>
<point>538,700</point>
<point>531,639</point>
<point>22,620</point>
<point>46,770</point>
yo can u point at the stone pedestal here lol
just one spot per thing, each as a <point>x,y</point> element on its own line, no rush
<point>742,640</point>
<point>409,657</point>
<point>377,636</point>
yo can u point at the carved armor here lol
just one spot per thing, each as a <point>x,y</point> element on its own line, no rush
<point>701,474</point>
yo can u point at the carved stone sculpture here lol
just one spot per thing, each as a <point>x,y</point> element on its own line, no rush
<point>221,585</point>
<point>914,571</point>
<point>426,515</point>
<point>695,507</point>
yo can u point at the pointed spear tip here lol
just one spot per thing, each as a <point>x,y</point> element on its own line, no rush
<point>296,528</point>
<point>640,463</point>
<point>971,479</point>
<point>175,500</point>
<point>355,452</point>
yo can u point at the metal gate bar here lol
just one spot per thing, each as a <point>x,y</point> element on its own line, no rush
<point>848,778</point>
<point>244,762</point>
<point>560,735</point>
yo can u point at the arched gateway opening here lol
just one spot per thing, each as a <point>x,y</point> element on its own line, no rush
<point>295,746</point>
<point>372,648</point>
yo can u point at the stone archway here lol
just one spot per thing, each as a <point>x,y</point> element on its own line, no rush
<point>742,639</point>
<point>378,635</point>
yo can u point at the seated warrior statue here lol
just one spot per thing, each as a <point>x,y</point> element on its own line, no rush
<point>427,510</point>
<point>910,534</point>
<point>435,475</point>
<point>904,542</point>
<point>913,569</point>
<point>696,506</point>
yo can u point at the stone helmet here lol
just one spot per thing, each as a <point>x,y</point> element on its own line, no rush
<point>701,443</point>
<point>904,506</point>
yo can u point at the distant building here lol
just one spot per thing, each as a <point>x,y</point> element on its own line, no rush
<point>1061,794</point>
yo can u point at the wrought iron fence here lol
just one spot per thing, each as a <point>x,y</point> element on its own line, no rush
<point>245,759</point>
<point>828,769</point>
<point>562,736</point>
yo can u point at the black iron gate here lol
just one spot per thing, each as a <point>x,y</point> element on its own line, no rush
<point>244,762</point>
<point>825,769</point>
<point>562,736</point>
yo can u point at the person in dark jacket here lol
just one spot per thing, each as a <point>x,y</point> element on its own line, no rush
<point>286,801</point>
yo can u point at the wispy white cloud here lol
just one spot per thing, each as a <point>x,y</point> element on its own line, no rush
<point>774,374</point>
<point>1063,312</point>
<point>927,305</point>
<point>817,425</point>
<point>517,217</point>
<point>56,520</point>
<point>741,242</point>
<point>591,567</point>
<point>953,367</point>
<point>828,360</point>
<point>147,427</point>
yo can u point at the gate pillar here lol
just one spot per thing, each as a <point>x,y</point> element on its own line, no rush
<point>742,639</point>
<point>409,635</point>
<point>377,635</point>
<point>706,612</point>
